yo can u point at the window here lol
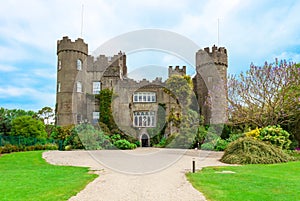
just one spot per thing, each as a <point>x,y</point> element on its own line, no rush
<point>79,64</point>
<point>144,119</point>
<point>78,87</point>
<point>96,116</point>
<point>96,87</point>
<point>58,87</point>
<point>146,97</point>
<point>79,118</point>
<point>59,64</point>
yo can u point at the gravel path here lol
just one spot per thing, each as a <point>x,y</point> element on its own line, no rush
<point>143,174</point>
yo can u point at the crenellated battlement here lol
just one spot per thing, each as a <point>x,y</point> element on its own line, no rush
<point>133,84</point>
<point>217,56</point>
<point>67,44</point>
<point>177,70</point>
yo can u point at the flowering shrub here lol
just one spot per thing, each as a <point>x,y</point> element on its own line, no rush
<point>273,134</point>
<point>254,133</point>
<point>276,135</point>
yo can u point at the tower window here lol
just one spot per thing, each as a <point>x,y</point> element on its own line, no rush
<point>78,87</point>
<point>58,87</point>
<point>96,87</point>
<point>59,64</point>
<point>79,64</point>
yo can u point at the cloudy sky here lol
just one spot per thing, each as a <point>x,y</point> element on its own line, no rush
<point>251,30</point>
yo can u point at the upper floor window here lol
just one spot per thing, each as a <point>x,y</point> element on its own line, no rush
<point>148,97</point>
<point>58,87</point>
<point>79,64</point>
<point>78,87</point>
<point>96,87</point>
<point>144,119</point>
<point>59,64</point>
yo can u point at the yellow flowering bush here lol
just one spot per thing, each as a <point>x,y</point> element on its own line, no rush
<point>253,133</point>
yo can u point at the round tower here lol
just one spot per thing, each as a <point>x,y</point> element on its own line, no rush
<point>210,84</point>
<point>71,74</point>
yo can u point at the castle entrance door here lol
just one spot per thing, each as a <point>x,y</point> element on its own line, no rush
<point>145,140</point>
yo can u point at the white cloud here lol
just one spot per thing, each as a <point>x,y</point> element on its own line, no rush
<point>250,30</point>
<point>7,68</point>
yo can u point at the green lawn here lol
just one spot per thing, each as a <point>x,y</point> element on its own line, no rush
<point>26,176</point>
<point>250,182</point>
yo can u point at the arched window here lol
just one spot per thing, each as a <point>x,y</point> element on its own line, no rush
<point>78,87</point>
<point>58,87</point>
<point>144,119</point>
<point>79,64</point>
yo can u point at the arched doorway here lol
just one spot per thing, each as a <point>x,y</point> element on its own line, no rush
<point>145,140</point>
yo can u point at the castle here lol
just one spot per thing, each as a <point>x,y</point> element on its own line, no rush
<point>80,76</point>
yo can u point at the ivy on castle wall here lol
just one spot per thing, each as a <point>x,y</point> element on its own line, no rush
<point>105,99</point>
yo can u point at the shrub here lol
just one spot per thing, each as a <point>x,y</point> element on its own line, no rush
<point>208,146</point>
<point>124,144</point>
<point>276,135</point>
<point>253,133</point>
<point>221,145</point>
<point>248,150</point>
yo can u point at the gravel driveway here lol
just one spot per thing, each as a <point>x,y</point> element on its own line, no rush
<point>147,174</point>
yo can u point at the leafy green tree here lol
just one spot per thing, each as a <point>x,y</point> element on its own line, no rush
<point>8,115</point>
<point>46,113</point>
<point>28,126</point>
<point>180,88</point>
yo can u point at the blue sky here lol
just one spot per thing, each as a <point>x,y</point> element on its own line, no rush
<point>251,30</point>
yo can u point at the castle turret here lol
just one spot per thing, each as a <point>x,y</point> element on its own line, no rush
<point>177,71</point>
<point>71,74</point>
<point>211,84</point>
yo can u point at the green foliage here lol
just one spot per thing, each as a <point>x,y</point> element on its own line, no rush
<point>248,150</point>
<point>27,126</point>
<point>104,128</point>
<point>157,133</point>
<point>8,148</point>
<point>27,176</point>
<point>91,138</point>
<point>124,144</point>
<point>181,88</point>
<point>162,143</point>
<point>276,135</point>
<point>221,145</point>
<point>208,146</point>
<point>7,116</point>
<point>105,108</point>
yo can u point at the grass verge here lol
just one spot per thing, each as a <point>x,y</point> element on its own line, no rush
<point>275,182</point>
<point>27,176</point>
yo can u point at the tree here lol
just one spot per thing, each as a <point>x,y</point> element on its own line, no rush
<point>8,115</point>
<point>180,88</point>
<point>45,114</point>
<point>28,126</point>
<point>267,95</point>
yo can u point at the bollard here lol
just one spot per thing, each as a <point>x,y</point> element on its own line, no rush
<point>193,164</point>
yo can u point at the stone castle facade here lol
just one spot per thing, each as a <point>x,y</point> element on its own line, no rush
<point>80,76</point>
